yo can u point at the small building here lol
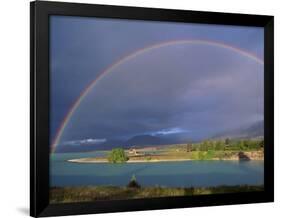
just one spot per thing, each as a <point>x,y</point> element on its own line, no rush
<point>133,151</point>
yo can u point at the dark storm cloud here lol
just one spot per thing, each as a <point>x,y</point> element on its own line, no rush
<point>150,99</point>
<point>167,89</point>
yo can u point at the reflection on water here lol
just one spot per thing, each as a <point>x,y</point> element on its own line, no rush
<point>170,174</point>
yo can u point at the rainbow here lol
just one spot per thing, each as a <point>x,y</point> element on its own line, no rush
<point>132,55</point>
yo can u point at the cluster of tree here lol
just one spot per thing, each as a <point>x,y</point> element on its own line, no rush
<point>207,145</point>
<point>117,155</point>
<point>246,145</point>
<point>203,155</point>
<point>227,144</point>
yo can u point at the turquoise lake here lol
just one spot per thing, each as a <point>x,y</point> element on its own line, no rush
<point>168,174</point>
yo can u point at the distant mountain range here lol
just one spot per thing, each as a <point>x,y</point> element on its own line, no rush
<point>139,140</point>
<point>255,130</point>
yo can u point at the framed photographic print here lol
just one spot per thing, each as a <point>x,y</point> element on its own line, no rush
<point>140,108</point>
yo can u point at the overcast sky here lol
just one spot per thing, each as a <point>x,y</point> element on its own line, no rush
<point>195,90</point>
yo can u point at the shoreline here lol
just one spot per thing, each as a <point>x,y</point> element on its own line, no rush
<point>86,160</point>
<point>93,160</point>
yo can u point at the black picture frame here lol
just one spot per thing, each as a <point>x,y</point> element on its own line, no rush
<point>39,108</point>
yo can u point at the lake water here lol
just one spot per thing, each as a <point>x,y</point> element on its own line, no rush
<point>169,174</point>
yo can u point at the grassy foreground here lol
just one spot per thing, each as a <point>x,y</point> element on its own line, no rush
<point>96,193</point>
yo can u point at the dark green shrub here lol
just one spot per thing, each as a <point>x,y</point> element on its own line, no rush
<point>133,183</point>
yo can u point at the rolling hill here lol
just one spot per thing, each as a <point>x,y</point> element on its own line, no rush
<point>255,130</point>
